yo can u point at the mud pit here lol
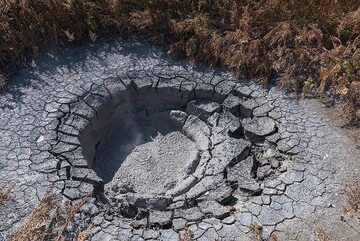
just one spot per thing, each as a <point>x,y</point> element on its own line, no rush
<point>159,150</point>
<point>166,151</point>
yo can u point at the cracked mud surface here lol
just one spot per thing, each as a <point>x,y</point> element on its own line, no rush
<point>163,146</point>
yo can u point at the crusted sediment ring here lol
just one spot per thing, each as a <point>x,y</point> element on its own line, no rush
<point>161,144</point>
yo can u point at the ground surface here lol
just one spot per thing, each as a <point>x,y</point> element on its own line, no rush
<point>277,168</point>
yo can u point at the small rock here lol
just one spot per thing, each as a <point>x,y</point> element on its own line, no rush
<point>259,127</point>
<point>191,214</point>
<point>198,131</point>
<point>232,103</point>
<point>269,153</point>
<point>179,224</point>
<point>179,117</point>
<point>162,218</point>
<point>232,149</point>
<point>40,139</point>
<point>229,220</point>
<point>150,234</point>
<point>262,110</point>
<point>241,174</point>
<point>139,223</point>
<point>202,108</point>
<point>274,163</point>
<point>216,223</point>
<point>214,208</point>
<point>269,191</point>
<point>246,108</point>
<point>263,171</point>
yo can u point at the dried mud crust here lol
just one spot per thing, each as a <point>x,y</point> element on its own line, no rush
<point>170,144</point>
<point>247,160</point>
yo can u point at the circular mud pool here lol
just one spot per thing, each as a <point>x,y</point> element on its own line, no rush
<point>163,151</point>
<point>172,148</point>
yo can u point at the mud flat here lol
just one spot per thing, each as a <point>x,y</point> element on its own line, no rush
<point>165,149</point>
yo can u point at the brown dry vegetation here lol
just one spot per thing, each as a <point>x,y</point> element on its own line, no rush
<point>352,192</point>
<point>187,235</point>
<point>5,193</point>
<point>309,47</point>
<point>322,235</point>
<point>3,197</point>
<point>49,221</point>
<point>256,230</point>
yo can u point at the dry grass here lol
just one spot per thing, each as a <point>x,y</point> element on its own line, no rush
<point>352,192</point>
<point>38,224</point>
<point>357,136</point>
<point>187,236</point>
<point>83,235</point>
<point>49,221</point>
<point>310,47</point>
<point>3,197</point>
<point>256,231</point>
<point>5,193</point>
<point>273,237</point>
<point>322,235</point>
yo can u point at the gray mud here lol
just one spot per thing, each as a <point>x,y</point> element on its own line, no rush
<point>166,149</point>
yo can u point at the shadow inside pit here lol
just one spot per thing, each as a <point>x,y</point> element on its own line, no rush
<point>124,137</point>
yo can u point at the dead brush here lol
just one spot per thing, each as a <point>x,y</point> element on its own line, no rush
<point>49,220</point>
<point>83,235</point>
<point>256,231</point>
<point>70,210</point>
<point>4,196</point>
<point>322,235</point>
<point>187,235</point>
<point>352,192</point>
<point>310,47</point>
<point>350,107</point>
<point>5,193</point>
<point>3,79</point>
<point>38,224</point>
